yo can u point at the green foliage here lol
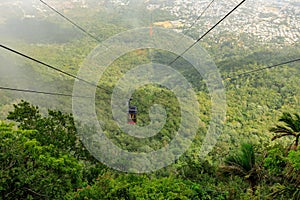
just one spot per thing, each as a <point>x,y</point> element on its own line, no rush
<point>246,159</point>
<point>143,187</point>
<point>56,129</point>
<point>50,161</point>
<point>294,159</point>
<point>275,161</point>
<point>243,164</point>
<point>27,115</point>
<point>191,167</point>
<point>291,127</point>
<point>285,192</point>
<point>30,170</point>
<point>284,173</point>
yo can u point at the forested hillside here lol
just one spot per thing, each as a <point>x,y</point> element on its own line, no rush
<point>43,156</point>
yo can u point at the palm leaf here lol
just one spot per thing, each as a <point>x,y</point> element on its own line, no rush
<point>230,169</point>
<point>244,161</point>
<point>281,129</point>
<point>297,122</point>
<point>289,121</point>
<point>282,135</point>
<point>291,126</point>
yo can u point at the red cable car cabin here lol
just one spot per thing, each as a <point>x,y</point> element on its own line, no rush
<point>132,111</point>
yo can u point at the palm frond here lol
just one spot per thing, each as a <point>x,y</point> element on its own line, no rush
<point>281,129</point>
<point>248,156</point>
<point>230,169</point>
<point>297,116</point>
<point>245,160</point>
<point>286,191</point>
<point>289,121</point>
<point>297,121</point>
<point>282,135</point>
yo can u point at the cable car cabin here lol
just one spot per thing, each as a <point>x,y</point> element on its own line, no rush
<point>132,111</point>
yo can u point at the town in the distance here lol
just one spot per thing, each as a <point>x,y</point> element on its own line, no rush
<point>274,21</point>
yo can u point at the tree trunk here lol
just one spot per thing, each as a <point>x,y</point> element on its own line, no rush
<point>252,182</point>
